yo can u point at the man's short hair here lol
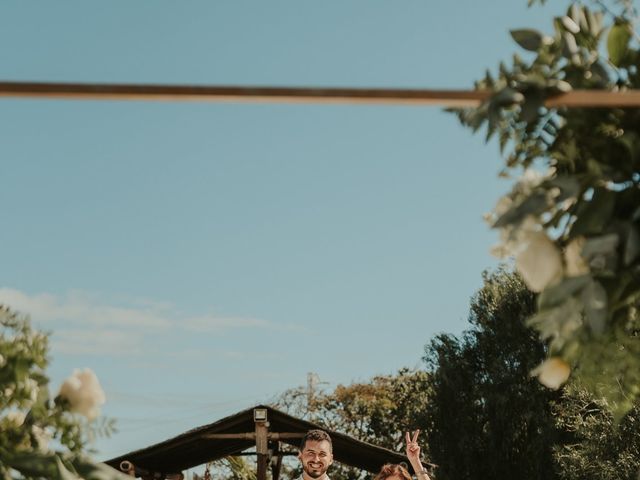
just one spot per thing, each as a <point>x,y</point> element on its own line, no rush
<point>315,436</point>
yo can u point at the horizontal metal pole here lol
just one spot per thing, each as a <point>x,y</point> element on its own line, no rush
<point>251,436</point>
<point>85,91</point>
<point>448,98</point>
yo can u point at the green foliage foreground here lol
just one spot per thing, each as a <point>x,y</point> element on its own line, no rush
<point>43,437</point>
<point>572,218</point>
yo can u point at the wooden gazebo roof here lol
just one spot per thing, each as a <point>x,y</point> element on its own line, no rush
<point>239,432</point>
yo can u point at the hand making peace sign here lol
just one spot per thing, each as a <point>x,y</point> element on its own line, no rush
<point>413,449</point>
<point>413,454</point>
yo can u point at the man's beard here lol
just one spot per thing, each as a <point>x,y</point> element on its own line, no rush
<point>315,473</point>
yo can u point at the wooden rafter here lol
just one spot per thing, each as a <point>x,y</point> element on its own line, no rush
<point>447,98</point>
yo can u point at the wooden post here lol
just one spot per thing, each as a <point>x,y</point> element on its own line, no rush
<point>262,442</point>
<point>276,463</point>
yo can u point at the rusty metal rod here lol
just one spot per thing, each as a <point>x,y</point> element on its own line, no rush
<point>448,98</point>
<point>252,436</point>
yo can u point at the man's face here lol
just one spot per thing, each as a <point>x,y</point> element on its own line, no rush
<point>316,457</point>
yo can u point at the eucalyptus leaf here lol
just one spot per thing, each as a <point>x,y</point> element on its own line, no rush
<point>33,464</point>
<point>595,22</point>
<point>593,215</point>
<point>568,185</point>
<point>594,299</point>
<point>553,296</point>
<point>631,141</point>
<point>506,97</point>
<point>97,471</point>
<point>534,204</point>
<point>530,110</point>
<point>570,47</point>
<point>601,245</point>
<point>579,15</point>
<point>632,245</point>
<point>618,42</point>
<point>559,86</point>
<point>599,71</point>
<point>528,39</point>
<point>570,24</point>
<point>64,473</point>
<point>559,323</point>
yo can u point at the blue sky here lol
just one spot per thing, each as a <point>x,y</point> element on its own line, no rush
<point>204,257</point>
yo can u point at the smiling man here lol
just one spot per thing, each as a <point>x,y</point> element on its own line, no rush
<point>316,455</point>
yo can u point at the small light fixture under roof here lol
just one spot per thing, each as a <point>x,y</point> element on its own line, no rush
<point>259,414</point>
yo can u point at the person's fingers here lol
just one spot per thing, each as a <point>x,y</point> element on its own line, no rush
<point>415,435</point>
<point>408,439</point>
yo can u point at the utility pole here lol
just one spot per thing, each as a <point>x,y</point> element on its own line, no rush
<point>312,381</point>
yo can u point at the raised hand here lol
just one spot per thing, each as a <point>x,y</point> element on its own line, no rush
<point>413,449</point>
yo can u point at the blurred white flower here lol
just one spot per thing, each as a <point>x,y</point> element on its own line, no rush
<point>553,372</point>
<point>539,261</point>
<point>503,249</point>
<point>30,388</point>
<point>42,437</point>
<point>502,207</point>
<point>16,417</point>
<point>574,261</point>
<point>84,393</point>
<point>513,239</point>
<point>3,361</point>
<point>530,179</point>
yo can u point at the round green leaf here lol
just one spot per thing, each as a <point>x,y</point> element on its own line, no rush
<point>618,42</point>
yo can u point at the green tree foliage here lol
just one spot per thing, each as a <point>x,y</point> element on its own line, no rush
<point>572,219</point>
<point>487,418</point>
<point>40,438</point>
<point>596,447</point>
<point>230,468</point>
<point>378,411</point>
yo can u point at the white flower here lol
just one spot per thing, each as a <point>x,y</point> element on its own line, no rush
<point>16,417</point>
<point>503,206</point>
<point>574,261</point>
<point>42,437</point>
<point>513,239</point>
<point>30,388</point>
<point>553,372</point>
<point>530,179</point>
<point>84,393</point>
<point>539,261</point>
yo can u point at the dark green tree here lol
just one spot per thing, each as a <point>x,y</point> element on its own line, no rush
<point>486,416</point>
<point>597,447</point>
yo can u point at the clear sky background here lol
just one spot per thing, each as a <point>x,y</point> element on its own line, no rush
<point>203,257</point>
